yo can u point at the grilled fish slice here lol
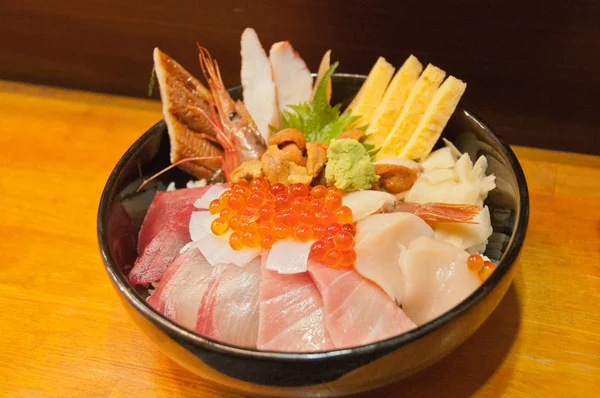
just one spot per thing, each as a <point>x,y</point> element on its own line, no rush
<point>186,105</point>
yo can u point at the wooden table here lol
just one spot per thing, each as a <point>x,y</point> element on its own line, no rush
<point>65,334</point>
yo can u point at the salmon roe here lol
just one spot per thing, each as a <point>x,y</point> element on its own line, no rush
<point>480,267</point>
<point>259,214</point>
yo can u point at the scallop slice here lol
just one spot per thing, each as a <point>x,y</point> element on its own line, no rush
<point>365,203</point>
<point>293,82</point>
<point>381,240</point>
<point>437,278</point>
<point>260,97</point>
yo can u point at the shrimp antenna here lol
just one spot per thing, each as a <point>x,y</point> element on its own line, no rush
<point>143,184</point>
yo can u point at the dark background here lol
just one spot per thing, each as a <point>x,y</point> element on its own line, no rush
<point>531,66</point>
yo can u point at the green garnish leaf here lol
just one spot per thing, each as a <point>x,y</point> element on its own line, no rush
<point>370,147</point>
<point>317,119</point>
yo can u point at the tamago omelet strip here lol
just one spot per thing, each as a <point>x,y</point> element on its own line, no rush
<point>416,104</point>
<point>434,120</point>
<point>393,101</point>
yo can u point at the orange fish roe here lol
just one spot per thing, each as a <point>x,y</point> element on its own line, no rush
<point>260,214</point>
<point>483,269</point>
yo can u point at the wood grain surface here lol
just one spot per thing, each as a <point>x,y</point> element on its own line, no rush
<point>64,334</point>
<point>531,65</point>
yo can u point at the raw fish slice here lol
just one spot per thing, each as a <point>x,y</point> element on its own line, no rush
<point>291,313</point>
<point>168,207</point>
<point>180,291</point>
<point>260,96</point>
<point>164,232</point>
<point>356,311</point>
<point>437,278</point>
<point>380,241</point>
<point>293,81</point>
<point>229,309</point>
<point>161,251</point>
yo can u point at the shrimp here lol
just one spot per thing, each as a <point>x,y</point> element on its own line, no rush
<point>440,212</point>
<point>229,121</point>
<point>239,135</point>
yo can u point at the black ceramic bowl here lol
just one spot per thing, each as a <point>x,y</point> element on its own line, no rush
<point>328,373</point>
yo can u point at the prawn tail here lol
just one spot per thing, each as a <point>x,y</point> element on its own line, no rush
<point>445,212</point>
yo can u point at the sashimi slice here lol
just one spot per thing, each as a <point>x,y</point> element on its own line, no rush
<point>167,207</point>
<point>260,96</point>
<point>181,289</point>
<point>437,278</point>
<point>380,240</point>
<point>356,311</point>
<point>164,232</point>
<point>293,81</point>
<point>229,309</point>
<point>291,313</point>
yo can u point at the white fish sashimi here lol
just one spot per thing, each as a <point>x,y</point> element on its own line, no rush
<point>229,309</point>
<point>213,193</point>
<point>437,278</point>
<point>289,256</point>
<point>365,203</point>
<point>260,95</point>
<point>293,81</point>
<point>180,291</point>
<point>381,240</point>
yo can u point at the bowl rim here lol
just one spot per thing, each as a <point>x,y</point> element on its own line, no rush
<point>193,339</point>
